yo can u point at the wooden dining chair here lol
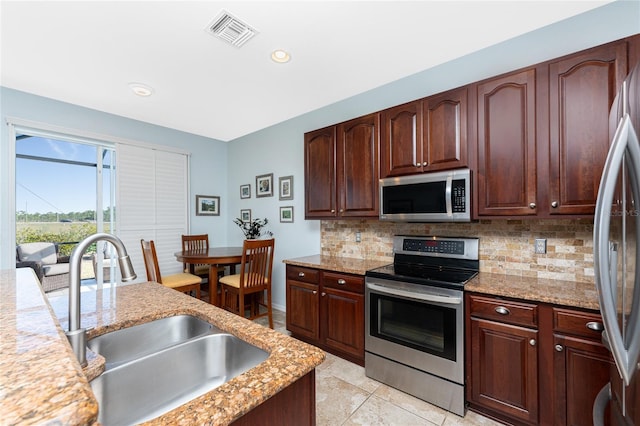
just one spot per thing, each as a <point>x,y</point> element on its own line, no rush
<point>182,281</point>
<point>253,281</point>
<point>197,242</point>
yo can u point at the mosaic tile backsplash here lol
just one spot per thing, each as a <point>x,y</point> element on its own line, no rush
<point>506,246</point>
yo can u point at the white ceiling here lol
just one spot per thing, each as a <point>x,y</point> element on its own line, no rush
<point>86,53</point>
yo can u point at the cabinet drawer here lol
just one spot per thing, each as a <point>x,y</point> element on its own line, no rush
<point>506,311</point>
<point>351,283</point>
<point>584,324</point>
<point>306,275</point>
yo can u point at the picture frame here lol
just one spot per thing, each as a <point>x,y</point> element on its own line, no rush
<point>286,214</point>
<point>245,215</point>
<point>285,185</point>
<point>264,185</point>
<point>207,205</point>
<point>245,191</point>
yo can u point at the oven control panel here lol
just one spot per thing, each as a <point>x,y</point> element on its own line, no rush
<point>466,248</point>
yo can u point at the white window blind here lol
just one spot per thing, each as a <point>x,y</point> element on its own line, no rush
<point>152,203</point>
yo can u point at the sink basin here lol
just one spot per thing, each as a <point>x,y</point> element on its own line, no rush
<point>121,346</point>
<point>155,384</point>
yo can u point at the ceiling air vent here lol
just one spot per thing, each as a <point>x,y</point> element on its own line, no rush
<point>227,27</point>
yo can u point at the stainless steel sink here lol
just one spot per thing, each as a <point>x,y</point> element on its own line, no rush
<point>121,346</point>
<point>155,384</point>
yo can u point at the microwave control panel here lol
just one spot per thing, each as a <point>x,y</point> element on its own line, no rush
<point>458,196</point>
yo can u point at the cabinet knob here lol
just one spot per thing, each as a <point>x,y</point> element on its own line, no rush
<point>554,204</point>
<point>532,342</point>
<point>502,310</point>
<point>301,274</point>
<point>323,294</point>
<point>341,210</point>
<point>315,292</point>
<point>559,348</point>
<point>341,281</point>
<point>424,164</point>
<point>417,164</point>
<point>595,326</point>
<point>333,210</point>
<point>532,205</point>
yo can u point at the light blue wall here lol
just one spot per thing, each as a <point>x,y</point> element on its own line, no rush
<point>208,165</point>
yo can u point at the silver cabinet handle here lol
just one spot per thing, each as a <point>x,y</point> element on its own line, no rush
<point>532,205</point>
<point>595,326</point>
<point>559,348</point>
<point>341,282</point>
<point>532,342</point>
<point>554,204</point>
<point>502,310</point>
<point>301,274</point>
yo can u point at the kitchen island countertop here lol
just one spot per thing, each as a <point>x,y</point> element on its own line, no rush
<point>42,382</point>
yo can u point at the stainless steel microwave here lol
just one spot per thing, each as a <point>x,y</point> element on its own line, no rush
<point>428,197</point>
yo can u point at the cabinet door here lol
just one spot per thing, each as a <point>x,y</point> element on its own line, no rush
<point>358,167</point>
<point>303,313</point>
<point>581,91</point>
<point>581,369</point>
<point>506,178</point>
<point>504,363</point>
<point>320,173</point>
<point>401,144</point>
<point>445,130</point>
<point>343,321</point>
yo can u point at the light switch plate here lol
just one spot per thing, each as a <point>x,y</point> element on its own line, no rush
<point>541,246</point>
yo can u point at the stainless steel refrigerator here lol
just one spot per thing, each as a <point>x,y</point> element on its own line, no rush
<point>616,254</point>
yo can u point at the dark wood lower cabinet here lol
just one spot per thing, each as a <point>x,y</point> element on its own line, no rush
<point>533,363</point>
<point>294,405</point>
<point>326,309</point>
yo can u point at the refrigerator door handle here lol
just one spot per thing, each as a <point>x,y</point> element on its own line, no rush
<point>600,405</point>
<point>625,349</point>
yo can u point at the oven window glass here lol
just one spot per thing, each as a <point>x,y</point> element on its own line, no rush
<point>415,198</point>
<point>418,325</point>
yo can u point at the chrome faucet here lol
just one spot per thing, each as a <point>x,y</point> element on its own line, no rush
<point>78,336</point>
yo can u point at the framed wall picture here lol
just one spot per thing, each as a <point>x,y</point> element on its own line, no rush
<point>286,187</point>
<point>245,191</point>
<point>286,214</point>
<point>207,205</point>
<point>245,215</point>
<point>264,185</point>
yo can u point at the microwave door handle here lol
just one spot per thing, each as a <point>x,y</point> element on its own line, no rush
<point>449,300</point>
<point>447,196</point>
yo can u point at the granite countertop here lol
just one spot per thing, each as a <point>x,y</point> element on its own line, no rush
<point>338,264</point>
<point>42,382</point>
<point>567,293</point>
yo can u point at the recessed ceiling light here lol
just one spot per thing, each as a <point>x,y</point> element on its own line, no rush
<point>141,89</point>
<point>280,56</point>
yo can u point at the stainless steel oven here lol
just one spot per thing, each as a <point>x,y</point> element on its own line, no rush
<point>414,318</point>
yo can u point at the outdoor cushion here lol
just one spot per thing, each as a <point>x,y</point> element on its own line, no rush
<point>56,269</point>
<point>38,252</point>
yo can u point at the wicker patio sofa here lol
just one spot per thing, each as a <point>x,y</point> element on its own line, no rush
<point>44,258</point>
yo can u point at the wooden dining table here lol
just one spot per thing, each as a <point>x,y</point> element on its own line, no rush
<point>214,257</point>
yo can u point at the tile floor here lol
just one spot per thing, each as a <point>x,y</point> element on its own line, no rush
<point>345,396</point>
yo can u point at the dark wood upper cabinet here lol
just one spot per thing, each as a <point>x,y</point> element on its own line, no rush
<point>582,88</point>
<point>445,130</point>
<point>401,144</point>
<point>358,166</point>
<point>506,145</point>
<point>426,135</point>
<point>342,169</point>
<point>320,172</point>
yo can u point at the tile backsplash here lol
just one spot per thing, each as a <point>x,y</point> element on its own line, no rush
<point>506,246</point>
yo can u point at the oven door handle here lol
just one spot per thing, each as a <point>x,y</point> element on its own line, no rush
<point>449,300</point>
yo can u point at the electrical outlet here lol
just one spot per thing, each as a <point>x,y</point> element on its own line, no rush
<point>541,246</point>
<point>358,237</point>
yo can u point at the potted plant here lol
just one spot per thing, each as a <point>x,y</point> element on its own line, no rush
<point>253,229</point>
